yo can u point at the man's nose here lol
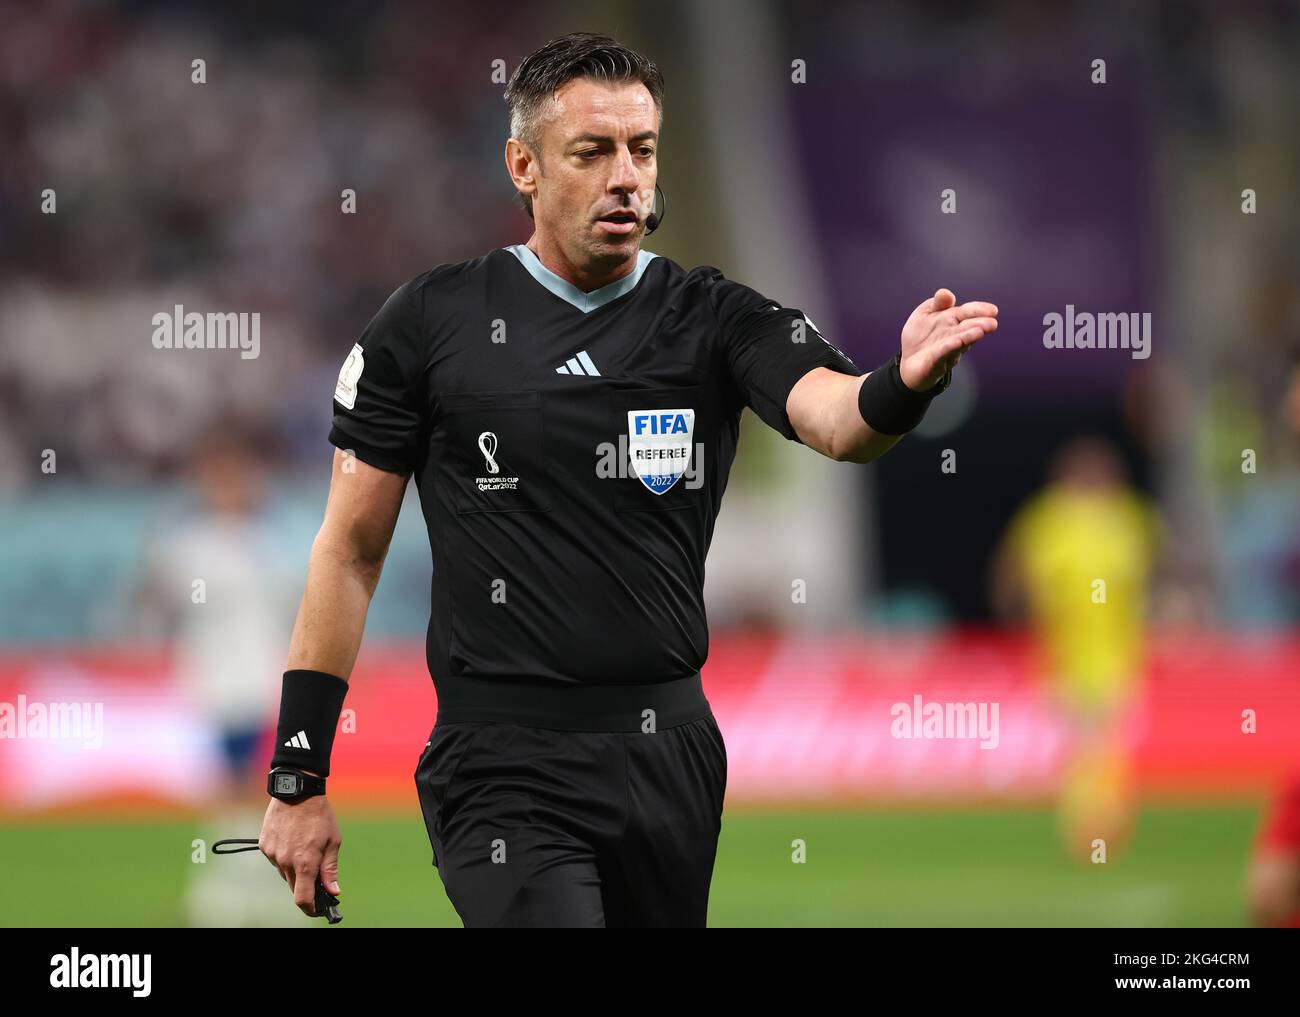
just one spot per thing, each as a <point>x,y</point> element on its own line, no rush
<point>623,176</point>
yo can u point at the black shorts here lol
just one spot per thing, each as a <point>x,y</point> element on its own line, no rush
<point>534,826</point>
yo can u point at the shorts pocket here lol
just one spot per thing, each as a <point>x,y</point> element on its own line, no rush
<point>492,454</point>
<point>716,732</point>
<point>435,776</point>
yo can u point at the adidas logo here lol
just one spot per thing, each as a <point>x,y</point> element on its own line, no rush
<point>298,741</point>
<point>581,364</point>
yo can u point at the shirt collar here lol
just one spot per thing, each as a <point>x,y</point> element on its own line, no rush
<point>565,290</point>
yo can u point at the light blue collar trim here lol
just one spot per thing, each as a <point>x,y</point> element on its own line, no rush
<point>565,290</point>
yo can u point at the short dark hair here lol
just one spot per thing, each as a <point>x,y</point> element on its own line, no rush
<point>576,55</point>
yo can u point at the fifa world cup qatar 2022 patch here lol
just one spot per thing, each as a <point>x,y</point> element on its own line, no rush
<point>345,390</point>
<point>488,444</point>
<point>659,445</point>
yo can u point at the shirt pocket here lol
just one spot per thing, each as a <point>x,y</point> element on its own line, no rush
<point>660,434</point>
<point>493,454</point>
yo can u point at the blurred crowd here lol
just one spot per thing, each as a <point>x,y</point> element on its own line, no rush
<point>225,195</point>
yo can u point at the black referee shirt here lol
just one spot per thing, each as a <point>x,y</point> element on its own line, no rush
<point>571,451</point>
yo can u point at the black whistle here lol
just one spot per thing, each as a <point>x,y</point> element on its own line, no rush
<point>327,905</point>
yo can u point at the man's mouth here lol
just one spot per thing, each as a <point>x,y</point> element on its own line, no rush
<point>622,221</point>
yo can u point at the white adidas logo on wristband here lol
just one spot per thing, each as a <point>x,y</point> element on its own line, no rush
<point>298,741</point>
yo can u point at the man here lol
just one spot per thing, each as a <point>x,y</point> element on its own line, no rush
<point>1273,872</point>
<point>569,408</point>
<point>223,648</point>
<point>1078,558</point>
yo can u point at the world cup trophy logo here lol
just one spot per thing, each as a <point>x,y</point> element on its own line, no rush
<point>487,444</point>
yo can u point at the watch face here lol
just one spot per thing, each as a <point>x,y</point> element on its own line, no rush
<point>286,783</point>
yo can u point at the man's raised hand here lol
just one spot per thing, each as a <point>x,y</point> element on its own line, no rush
<point>937,333</point>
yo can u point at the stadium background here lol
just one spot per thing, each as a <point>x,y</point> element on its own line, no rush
<point>1117,197</point>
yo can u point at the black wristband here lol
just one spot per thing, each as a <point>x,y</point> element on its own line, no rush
<point>310,704</point>
<point>888,406</point>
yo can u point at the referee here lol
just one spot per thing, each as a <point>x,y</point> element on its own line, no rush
<point>569,408</point>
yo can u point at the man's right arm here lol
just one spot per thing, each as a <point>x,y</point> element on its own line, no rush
<point>379,408</point>
<point>302,840</point>
<point>346,560</point>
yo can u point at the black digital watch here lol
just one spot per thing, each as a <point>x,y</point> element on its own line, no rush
<point>292,785</point>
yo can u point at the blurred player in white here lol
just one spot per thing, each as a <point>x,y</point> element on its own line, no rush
<point>224,595</point>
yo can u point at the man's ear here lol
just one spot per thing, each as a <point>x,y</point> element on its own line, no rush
<point>520,163</point>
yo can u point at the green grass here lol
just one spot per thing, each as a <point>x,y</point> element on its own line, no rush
<point>1184,866</point>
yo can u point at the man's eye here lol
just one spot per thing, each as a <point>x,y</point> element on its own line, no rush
<point>645,150</point>
<point>589,153</point>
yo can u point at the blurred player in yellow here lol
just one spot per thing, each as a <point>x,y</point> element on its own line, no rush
<point>1077,558</point>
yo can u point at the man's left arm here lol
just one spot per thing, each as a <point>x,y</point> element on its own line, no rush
<point>830,411</point>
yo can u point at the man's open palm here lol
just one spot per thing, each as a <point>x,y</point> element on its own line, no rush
<point>937,333</point>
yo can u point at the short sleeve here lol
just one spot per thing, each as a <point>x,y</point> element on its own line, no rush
<point>378,399</point>
<point>769,348</point>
